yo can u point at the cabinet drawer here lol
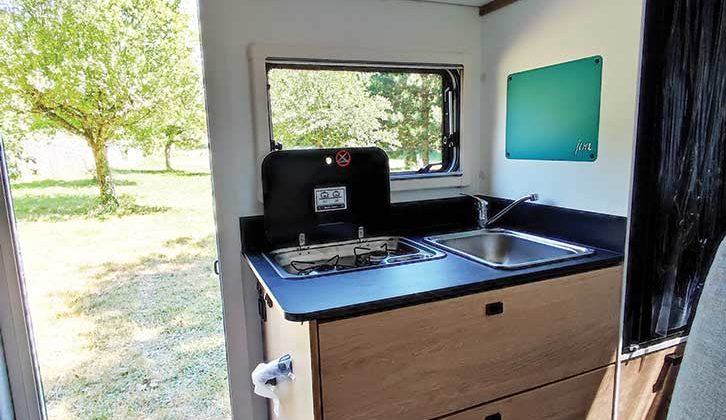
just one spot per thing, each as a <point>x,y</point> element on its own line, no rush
<point>433,359</point>
<point>647,383</point>
<point>585,397</point>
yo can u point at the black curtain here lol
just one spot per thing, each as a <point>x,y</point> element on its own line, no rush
<point>679,195</point>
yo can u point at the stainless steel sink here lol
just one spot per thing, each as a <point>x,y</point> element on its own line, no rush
<point>507,249</point>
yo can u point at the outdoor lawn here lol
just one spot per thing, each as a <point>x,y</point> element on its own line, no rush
<point>126,310</point>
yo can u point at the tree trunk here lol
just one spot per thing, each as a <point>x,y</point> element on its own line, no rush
<point>103,175</point>
<point>167,155</point>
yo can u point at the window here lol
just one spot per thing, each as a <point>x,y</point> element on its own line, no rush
<point>411,112</point>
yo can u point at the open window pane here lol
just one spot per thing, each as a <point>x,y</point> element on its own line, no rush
<point>103,123</point>
<point>404,112</point>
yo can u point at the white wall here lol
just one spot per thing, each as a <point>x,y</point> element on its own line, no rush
<point>229,27</point>
<point>527,34</point>
<point>534,33</point>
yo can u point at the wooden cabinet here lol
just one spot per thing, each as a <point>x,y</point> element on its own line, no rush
<point>429,360</point>
<point>585,397</point>
<point>646,384</point>
<point>439,358</point>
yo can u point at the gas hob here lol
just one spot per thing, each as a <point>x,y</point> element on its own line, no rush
<point>345,256</point>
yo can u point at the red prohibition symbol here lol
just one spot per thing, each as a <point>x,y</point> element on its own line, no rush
<point>342,158</point>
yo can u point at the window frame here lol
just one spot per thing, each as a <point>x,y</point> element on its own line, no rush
<point>26,388</point>
<point>402,189</point>
<point>451,76</point>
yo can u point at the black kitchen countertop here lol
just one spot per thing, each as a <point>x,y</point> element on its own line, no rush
<point>372,290</point>
<point>354,293</point>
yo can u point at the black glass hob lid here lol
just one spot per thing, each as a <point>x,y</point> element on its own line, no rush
<point>323,195</point>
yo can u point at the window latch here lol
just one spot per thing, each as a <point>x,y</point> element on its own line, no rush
<point>450,111</point>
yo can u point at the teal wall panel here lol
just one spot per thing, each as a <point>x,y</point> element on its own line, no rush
<point>553,113</point>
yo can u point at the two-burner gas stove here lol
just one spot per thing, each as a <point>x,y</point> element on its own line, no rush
<point>345,256</point>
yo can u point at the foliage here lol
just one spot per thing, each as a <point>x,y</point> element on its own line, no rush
<point>15,154</point>
<point>326,109</point>
<point>12,131</point>
<point>102,70</point>
<point>399,112</point>
<point>185,128</point>
<point>416,101</point>
<point>183,125</point>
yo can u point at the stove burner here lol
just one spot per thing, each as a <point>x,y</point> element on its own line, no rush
<point>314,267</point>
<point>371,257</point>
<point>377,257</point>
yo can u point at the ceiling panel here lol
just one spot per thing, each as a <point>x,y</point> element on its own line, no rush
<point>476,3</point>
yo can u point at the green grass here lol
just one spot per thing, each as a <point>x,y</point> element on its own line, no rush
<point>53,207</point>
<point>126,309</point>
<point>73,183</point>
<point>160,171</point>
<point>67,206</point>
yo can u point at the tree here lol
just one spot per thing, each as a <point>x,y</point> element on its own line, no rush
<point>12,131</point>
<point>327,109</point>
<point>417,101</point>
<point>185,126</point>
<point>98,69</point>
<point>399,112</point>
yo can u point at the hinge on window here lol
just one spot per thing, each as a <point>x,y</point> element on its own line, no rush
<point>633,348</point>
<point>448,141</point>
<point>427,169</point>
<point>276,145</point>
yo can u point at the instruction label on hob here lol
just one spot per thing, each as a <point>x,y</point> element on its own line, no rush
<point>331,198</point>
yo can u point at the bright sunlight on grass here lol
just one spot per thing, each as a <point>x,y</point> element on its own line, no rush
<point>125,307</point>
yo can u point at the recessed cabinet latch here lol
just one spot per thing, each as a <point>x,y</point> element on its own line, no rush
<point>495,308</point>
<point>261,309</point>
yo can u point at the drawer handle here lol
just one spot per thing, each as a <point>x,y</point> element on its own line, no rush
<point>674,359</point>
<point>671,360</point>
<point>495,416</point>
<point>490,309</point>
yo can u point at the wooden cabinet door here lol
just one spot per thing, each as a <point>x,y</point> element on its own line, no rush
<point>647,383</point>
<point>434,359</point>
<point>585,397</point>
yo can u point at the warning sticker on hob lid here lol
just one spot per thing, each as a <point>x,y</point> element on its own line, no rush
<point>329,199</point>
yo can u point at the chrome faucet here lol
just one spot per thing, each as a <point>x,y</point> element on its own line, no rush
<point>483,208</point>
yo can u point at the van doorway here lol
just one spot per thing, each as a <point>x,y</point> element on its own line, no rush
<point>103,122</point>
